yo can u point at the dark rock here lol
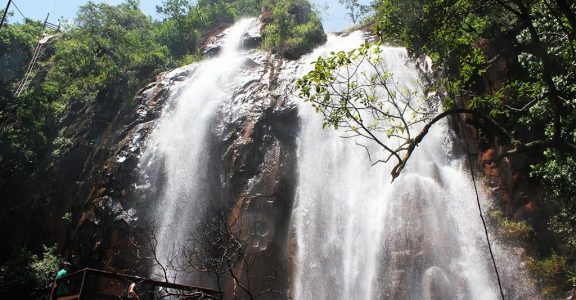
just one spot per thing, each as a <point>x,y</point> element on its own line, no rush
<point>253,36</point>
<point>252,39</point>
<point>212,44</point>
<point>212,49</point>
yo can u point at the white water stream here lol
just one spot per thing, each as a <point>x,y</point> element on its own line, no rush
<point>360,236</point>
<point>180,143</point>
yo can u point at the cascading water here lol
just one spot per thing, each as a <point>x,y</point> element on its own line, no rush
<point>360,236</point>
<point>177,154</point>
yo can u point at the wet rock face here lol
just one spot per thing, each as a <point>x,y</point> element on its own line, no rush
<point>91,180</point>
<point>259,175</point>
<point>520,196</point>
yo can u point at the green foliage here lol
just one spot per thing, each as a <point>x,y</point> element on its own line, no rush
<point>466,38</point>
<point>67,217</point>
<point>564,224</point>
<point>355,10</point>
<point>24,123</point>
<point>356,92</point>
<point>17,43</point>
<point>558,171</point>
<point>107,42</point>
<point>26,275</point>
<point>180,36</point>
<point>295,30</point>
<point>512,231</point>
<point>519,230</point>
<point>551,273</point>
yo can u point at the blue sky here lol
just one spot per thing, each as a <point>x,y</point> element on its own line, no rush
<point>333,17</point>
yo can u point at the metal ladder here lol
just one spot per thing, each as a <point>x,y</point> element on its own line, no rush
<point>28,74</point>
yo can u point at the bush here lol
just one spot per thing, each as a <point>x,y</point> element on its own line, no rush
<point>17,43</point>
<point>295,29</point>
<point>28,276</point>
<point>550,272</point>
<point>518,230</point>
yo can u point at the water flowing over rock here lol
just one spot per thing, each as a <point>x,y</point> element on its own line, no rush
<point>320,222</point>
<point>359,236</point>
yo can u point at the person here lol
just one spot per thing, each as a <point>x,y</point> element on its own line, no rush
<point>61,286</point>
<point>573,294</point>
<point>132,292</point>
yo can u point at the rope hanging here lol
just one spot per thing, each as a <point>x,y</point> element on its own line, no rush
<point>471,166</point>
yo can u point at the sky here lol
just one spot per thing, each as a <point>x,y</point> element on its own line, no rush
<point>332,12</point>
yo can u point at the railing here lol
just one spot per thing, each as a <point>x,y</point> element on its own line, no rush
<point>101,285</point>
<point>50,25</point>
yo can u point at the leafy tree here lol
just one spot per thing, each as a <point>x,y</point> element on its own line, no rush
<point>174,9</point>
<point>106,42</point>
<point>26,275</point>
<point>16,46</point>
<point>24,125</point>
<point>355,10</point>
<point>179,32</point>
<point>346,87</point>
<point>295,29</point>
<point>466,39</point>
<point>354,90</point>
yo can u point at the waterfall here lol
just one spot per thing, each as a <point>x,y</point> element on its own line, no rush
<point>360,236</point>
<point>356,234</point>
<point>177,154</point>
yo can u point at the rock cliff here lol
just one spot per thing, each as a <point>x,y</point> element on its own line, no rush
<point>99,202</point>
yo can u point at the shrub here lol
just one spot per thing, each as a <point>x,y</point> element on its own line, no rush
<point>295,29</point>
<point>26,275</point>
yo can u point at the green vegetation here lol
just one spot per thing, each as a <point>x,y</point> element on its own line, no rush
<point>511,63</point>
<point>292,29</point>
<point>519,232</point>
<point>16,46</point>
<point>355,10</point>
<point>343,86</point>
<point>550,271</point>
<point>26,272</point>
<point>22,133</point>
<point>295,29</point>
<point>106,43</point>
